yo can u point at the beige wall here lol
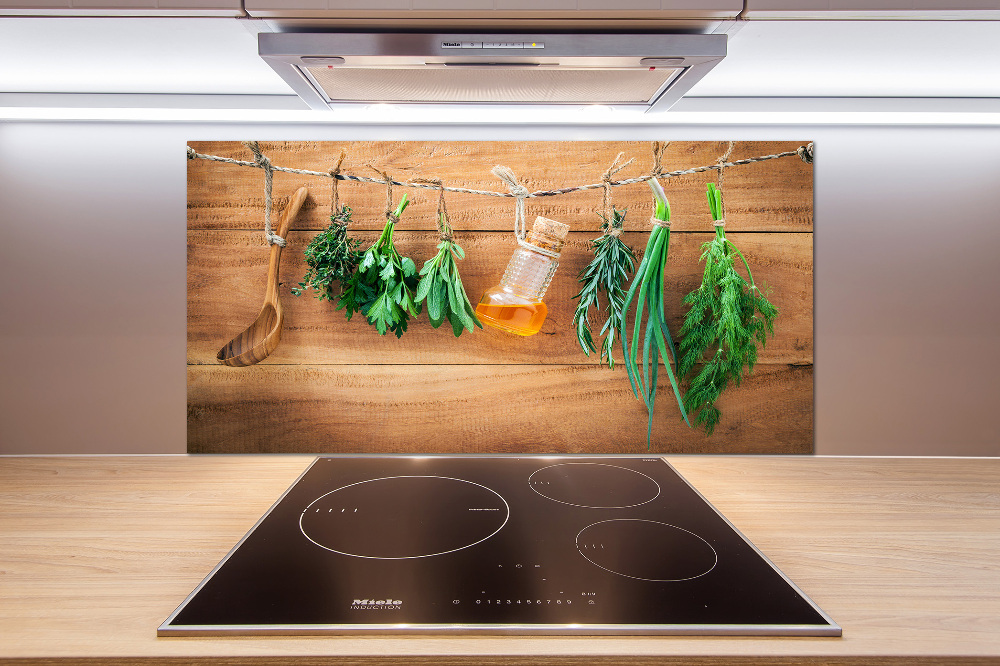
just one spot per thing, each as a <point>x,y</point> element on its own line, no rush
<point>93,298</point>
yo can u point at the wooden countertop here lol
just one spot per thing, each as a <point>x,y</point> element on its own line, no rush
<point>904,553</point>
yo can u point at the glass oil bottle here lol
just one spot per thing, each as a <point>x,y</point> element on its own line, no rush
<point>515,305</point>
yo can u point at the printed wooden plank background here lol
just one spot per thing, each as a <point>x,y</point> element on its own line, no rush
<point>337,386</point>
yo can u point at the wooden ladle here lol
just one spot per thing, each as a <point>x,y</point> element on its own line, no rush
<point>262,336</point>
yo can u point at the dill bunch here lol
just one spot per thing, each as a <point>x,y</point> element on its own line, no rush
<point>331,257</point>
<point>647,286</point>
<point>727,313</point>
<point>608,272</point>
<point>382,287</point>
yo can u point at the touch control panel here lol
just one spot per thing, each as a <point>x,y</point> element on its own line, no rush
<point>493,45</point>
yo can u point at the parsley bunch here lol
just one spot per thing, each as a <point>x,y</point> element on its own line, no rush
<point>656,341</point>
<point>728,313</point>
<point>608,272</point>
<point>331,256</point>
<point>441,287</point>
<point>382,286</point>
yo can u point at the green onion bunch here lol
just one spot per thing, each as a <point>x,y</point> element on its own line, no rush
<point>649,325</point>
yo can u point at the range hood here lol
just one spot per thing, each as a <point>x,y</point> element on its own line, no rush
<point>649,71</point>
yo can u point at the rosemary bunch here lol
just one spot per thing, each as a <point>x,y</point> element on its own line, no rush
<point>331,257</point>
<point>441,287</point>
<point>726,312</point>
<point>656,342</point>
<point>608,272</point>
<point>382,286</point>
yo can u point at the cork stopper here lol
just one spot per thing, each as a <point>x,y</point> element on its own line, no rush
<point>544,225</point>
<point>548,234</point>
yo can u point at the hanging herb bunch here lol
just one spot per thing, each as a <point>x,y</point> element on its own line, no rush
<point>647,291</point>
<point>441,285</point>
<point>728,313</point>
<point>332,258</point>
<point>382,286</point>
<point>613,262</point>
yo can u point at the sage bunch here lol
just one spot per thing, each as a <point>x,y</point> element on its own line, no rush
<point>442,289</point>
<point>728,314</point>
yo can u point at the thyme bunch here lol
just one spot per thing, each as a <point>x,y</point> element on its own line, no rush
<point>442,289</point>
<point>332,258</point>
<point>608,272</point>
<point>382,286</point>
<point>726,312</point>
<point>648,285</point>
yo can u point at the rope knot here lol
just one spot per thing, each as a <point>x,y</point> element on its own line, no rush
<point>388,194</point>
<point>606,180</point>
<point>659,223</point>
<point>262,160</point>
<point>264,163</point>
<point>659,147</point>
<point>519,192</point>
<point>334,195</point>
<point>191,153</point>
<point>806,153</point>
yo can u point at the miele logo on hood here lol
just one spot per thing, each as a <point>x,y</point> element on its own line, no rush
<point>376,604</point>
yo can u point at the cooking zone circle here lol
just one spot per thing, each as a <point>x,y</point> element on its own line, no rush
<point>404,517</point>
<point>594,485</point>
<point>646,550</point>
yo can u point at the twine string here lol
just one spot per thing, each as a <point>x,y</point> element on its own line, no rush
<point>264,163</point>
<point>803,152</point>
<point>445,232</point>
<point>516,190</point>
<point>334,195</point>
<point>608,183</point>
<point>657,171</point>
<point>519,192</point>
<point>659,147</point>
<point>806,152</point>
<point>388,194</point>
<point>723,161</point>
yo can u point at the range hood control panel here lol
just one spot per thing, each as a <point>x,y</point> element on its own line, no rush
<point>493,45</point>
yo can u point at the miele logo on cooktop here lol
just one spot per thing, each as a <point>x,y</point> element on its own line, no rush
<point>376,604</point>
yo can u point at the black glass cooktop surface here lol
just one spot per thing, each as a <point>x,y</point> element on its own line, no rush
<point>495,545</point>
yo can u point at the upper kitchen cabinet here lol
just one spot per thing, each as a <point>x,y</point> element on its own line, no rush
<point>872,9</point>
<point>689,15</point>
<point>230,8</point>
<point>501,8</point>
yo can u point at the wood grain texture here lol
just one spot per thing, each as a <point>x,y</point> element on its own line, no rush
<point>902,553</point>
<point>226,272</point>
<point>308,404</point>
<point>479,409</point>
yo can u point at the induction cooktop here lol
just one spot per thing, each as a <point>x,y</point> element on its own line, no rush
<point>495,545</point>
